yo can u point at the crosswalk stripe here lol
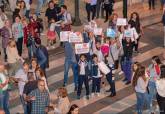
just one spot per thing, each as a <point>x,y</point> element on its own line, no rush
<point>70,87</point>
<point>119,106</point>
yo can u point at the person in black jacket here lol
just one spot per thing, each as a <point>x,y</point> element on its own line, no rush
<point>127,59</point>
<point>83,76</point>
<point>108,6</point>
<point>135,23</point>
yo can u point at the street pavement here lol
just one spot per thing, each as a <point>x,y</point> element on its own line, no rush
<point>123,103</point>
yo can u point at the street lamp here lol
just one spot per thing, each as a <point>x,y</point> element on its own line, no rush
<point>77,21</point>
<point>125,8</point>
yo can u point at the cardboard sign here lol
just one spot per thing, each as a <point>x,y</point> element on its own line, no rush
<point>128,33</point>
<point>64,36</point>
<point>88,28</point>
<point>98,31</point>
<point>111,33</point>
<point>82,48</point>
<point>121,22</point>
<point>75,37</point>
<point>103,67</point>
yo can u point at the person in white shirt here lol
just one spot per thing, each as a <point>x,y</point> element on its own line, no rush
<point>83,76</point>
<point>4,95</point>
<point>140,83</point>
<point>160,87</point>
<point>21,76</point>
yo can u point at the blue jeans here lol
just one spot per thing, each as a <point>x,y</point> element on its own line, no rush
<point>4,101</point>
<point>96,83</point>
<point>39,6</point>
<point>68,63</point>
<point>23,104</point>
<point>142,98</point>
<point>127,68</point>
<point>152,93</point>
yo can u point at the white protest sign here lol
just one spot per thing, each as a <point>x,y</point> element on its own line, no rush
<point>82,48</point>
<point>128,33</point>
<point>64,36</point>
<point>98,31</point>
<point>111,33</point>
<point>103,67</point>
<point>75,37</point>
<point>121,22</point>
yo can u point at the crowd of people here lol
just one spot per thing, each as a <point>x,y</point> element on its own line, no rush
<point>110,53</point>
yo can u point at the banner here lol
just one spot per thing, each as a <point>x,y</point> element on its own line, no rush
<point>103,67</point>
<point>111,33</point>
<point>121,22</point>
<point>82,48</point>
<point>75,37</point>
<point>98,31</point>
<point>64,36</point>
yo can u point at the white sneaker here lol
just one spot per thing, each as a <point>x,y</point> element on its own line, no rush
<point>53,47</point>
<point>92,95</point>
<point>47,48</point>
<point>98,94</point>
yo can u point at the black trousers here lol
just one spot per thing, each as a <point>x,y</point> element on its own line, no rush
<point>88,10</point>
<point>19,45</point>
<point>136,45</point>
<point>161,103</point>
<point>151,4</point>
<point>108,10</point>
<point>83,79</point>
<point>5,55</point>
<point>93,10</point>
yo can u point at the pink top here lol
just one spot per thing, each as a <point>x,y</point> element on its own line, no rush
<point>105,49</point>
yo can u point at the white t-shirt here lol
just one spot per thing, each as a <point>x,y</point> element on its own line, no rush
<point>3,78</point>
<point>52,27</point>
<point>3,17</point>
<point>160,86</point>
<point>82,68</point>
<point>21,74</point>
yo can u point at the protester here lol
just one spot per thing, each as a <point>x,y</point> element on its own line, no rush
<point>6,33</point>
<point>34,65</point>
<point>160,90</point>
<point>108,6</point>
<point>135,23</point>
<point>154,73</point>
<point>4,94</point>
<point>28,88</point>
<point>42,55</point>
<point>83,76</point>
<point>13,57</point>
<point>22,78</point>
<point>96,76</point>
<point>140,83</point>
<point>17,30</point>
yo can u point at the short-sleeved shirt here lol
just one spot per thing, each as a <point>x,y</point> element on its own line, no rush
<point>41,101</point>
<point>3,80</point>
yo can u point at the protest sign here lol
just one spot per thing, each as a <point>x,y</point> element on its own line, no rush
<point>121,22</point>
<point>98,31</point>
<point>111,33</point>
<point>82,48</point>
<point>64,36</point>
<point>75,37</point>
<point>103,67</point>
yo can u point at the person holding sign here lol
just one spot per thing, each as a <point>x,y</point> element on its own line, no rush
<point>70,60</point>
<point>127,57</point>
<point>113,21</point>
<point>83,76</point>
<point>135,23</point>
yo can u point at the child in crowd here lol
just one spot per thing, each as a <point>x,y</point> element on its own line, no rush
<point>51,35</point>
<point>105,47</point>
<point>96,76</point>
<point>83,76</point>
